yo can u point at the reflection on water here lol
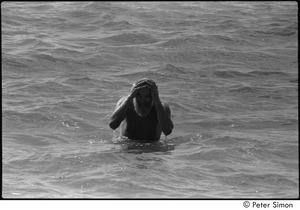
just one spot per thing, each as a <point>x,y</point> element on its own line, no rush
<point>139,147</point>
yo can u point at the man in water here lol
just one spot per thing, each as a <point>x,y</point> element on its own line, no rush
<point>141,114</point>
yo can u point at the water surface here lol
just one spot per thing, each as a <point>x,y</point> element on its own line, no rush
<point>229,71</point>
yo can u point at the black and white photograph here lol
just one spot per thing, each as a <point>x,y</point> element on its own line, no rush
<point>150,100</point>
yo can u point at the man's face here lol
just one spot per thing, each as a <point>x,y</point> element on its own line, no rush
<point>143,102</point>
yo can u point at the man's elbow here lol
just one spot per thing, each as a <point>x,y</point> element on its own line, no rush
<point>168,131</point>
<point>113,125</point>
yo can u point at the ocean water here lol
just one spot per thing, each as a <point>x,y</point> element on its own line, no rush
<point>228,70</point>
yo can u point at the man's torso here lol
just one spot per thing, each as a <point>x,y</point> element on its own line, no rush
<point>141,128</point>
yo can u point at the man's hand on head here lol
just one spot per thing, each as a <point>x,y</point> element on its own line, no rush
<point>143,83</point>
<point>134,90</point>
<point>151,83</point>
<point>154,92</point>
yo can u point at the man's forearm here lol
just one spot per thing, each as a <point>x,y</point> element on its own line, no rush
<point>163,118</point>
<point>120,113</point>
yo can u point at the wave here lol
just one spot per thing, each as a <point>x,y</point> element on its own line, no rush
<point>231,74</point>
<point>46,89</point>
<point>170,69</point>
<point>26,45</point>
<point>294,80</point>
<point>12,23</point>
<point>47,60</point>
<point>202,40</point>
<point>67,52</point>
<point>29,140</point>
<point>118,25</point>
<point>167,70</point>
<point>183,41</point>
<point>30,120</point>
<point>272,31</point>
<point>46,118</point>
<point>268,73</point>
<point>130,39</point>
<point>288,30</point>
<point>260,92</point>
<point>42,6</point>
<point>18,63</point>
<point>265,180</point>
<point>46,57</point>
<point>235,74</point>
<point>244,90</point>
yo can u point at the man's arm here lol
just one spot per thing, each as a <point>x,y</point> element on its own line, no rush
<point>121,109</point>
<point>164,117</point>
<point>120,112</point>
<point>163,111</point>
